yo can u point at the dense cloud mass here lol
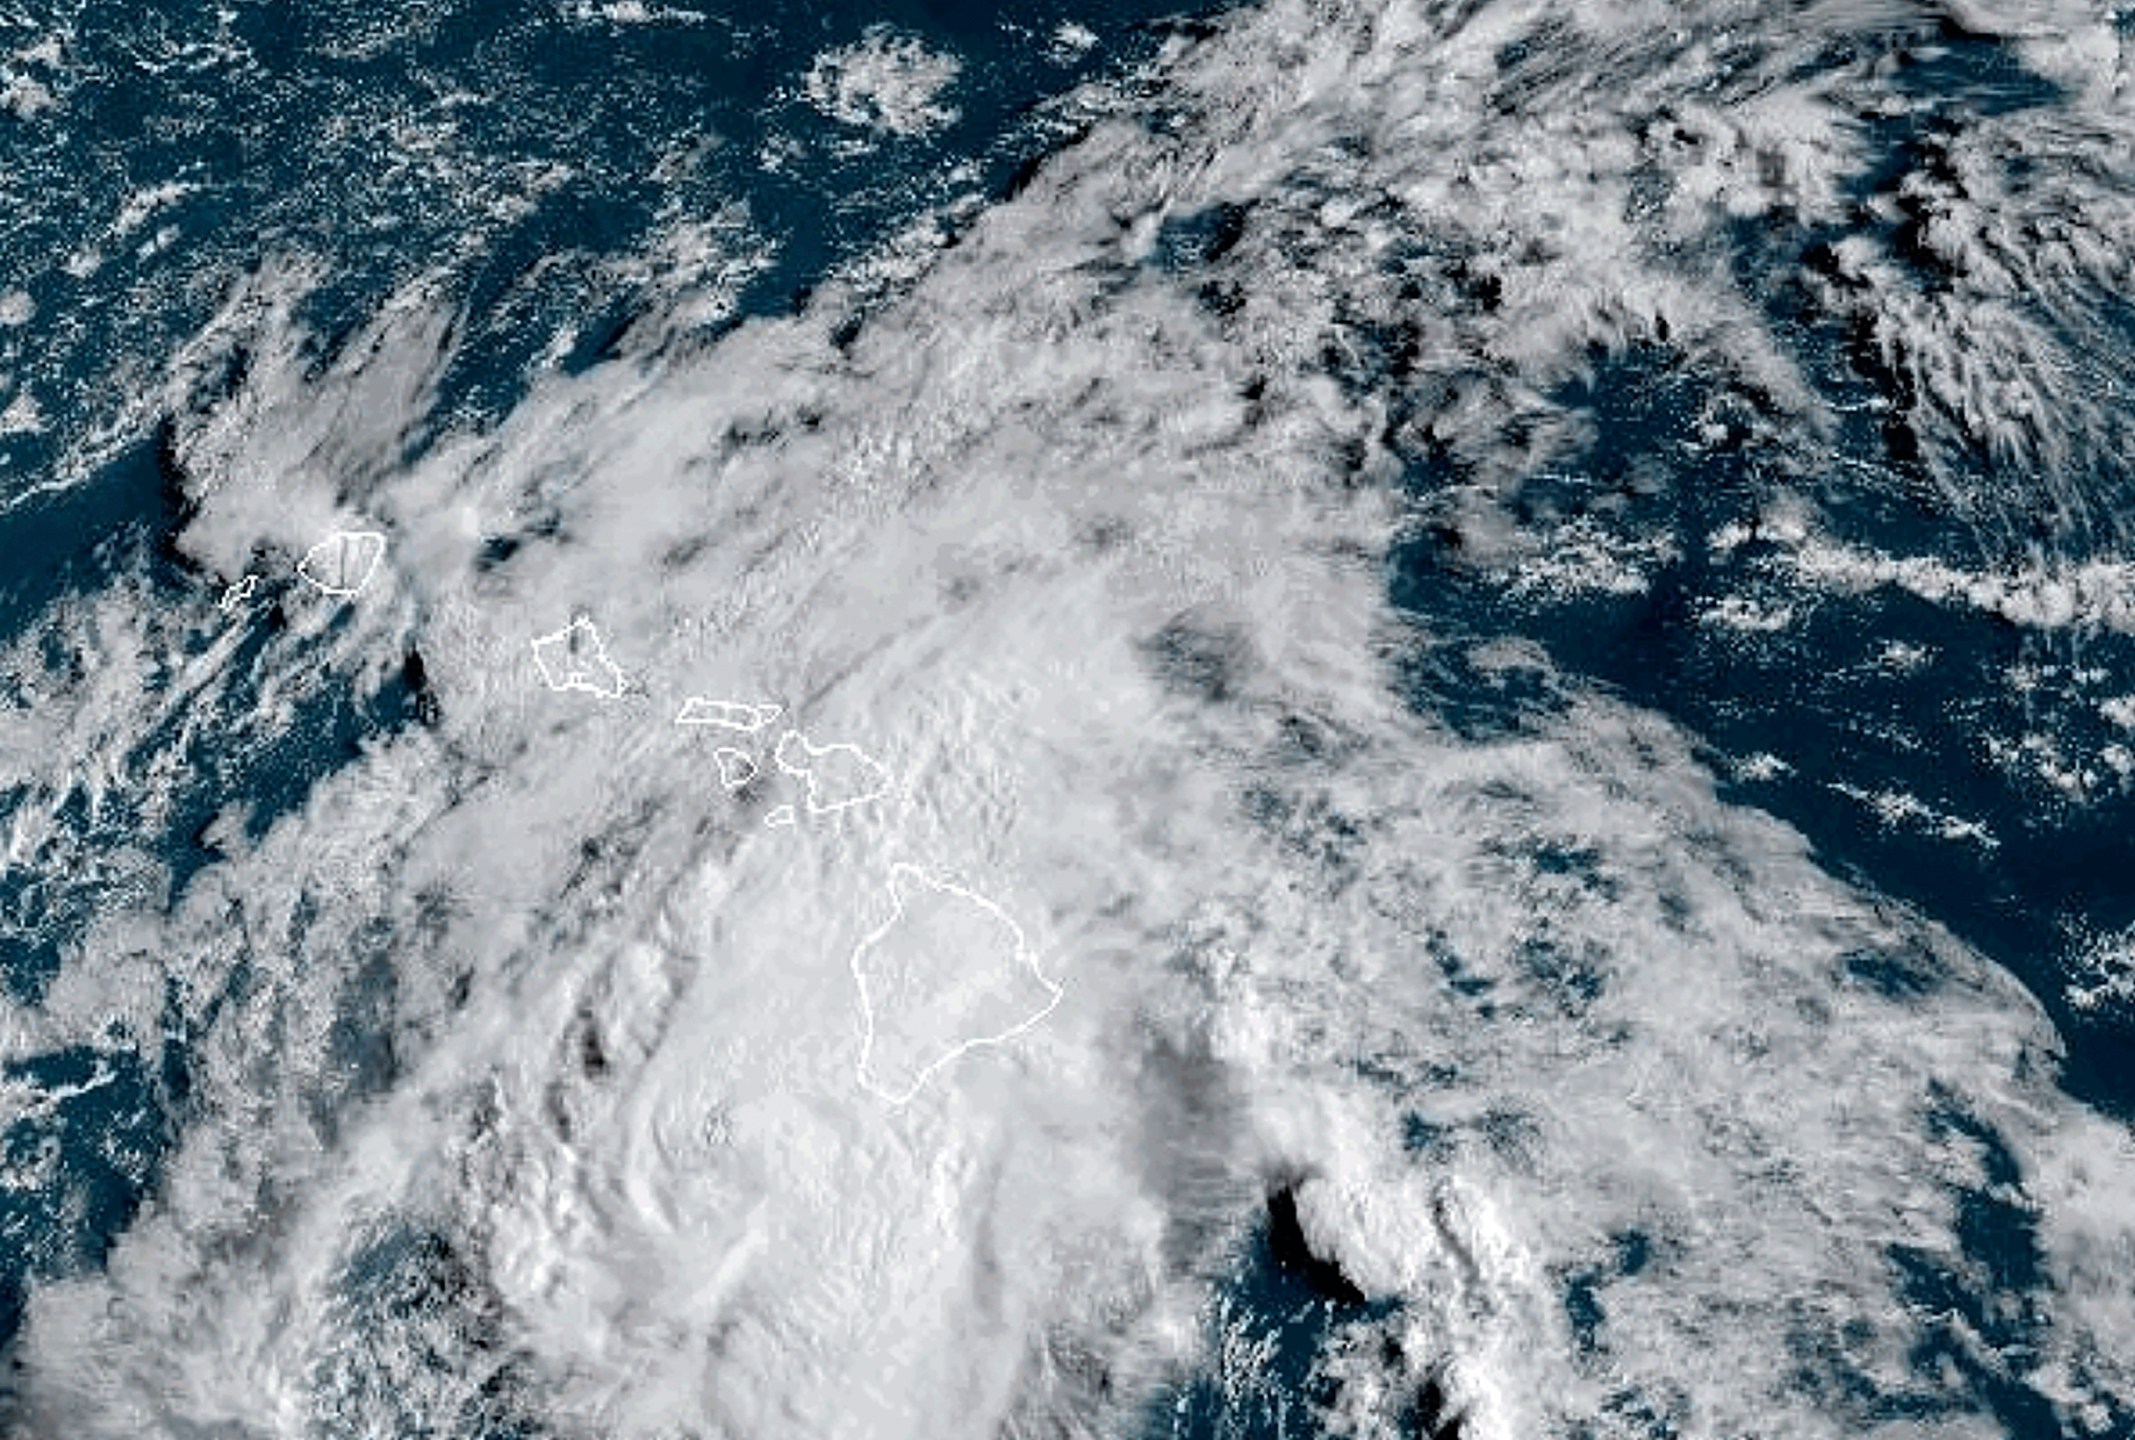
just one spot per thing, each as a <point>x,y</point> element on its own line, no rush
<point>523,1090</point>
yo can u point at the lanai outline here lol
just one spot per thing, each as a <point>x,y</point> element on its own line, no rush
<point>736,767</point>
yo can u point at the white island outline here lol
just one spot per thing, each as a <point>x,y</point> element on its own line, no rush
<point>736,715</point>
<point>736,767</point>
<point>237,594</point>
<point>864,778</point>
<point>903,877</point>
<point>573,658</point>
<point>343,563</point>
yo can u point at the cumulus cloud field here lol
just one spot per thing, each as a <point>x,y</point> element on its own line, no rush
<point>524,1093</point>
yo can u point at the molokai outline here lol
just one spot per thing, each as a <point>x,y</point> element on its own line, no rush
<point>740,716</point>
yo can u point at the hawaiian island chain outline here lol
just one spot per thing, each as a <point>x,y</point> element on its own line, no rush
<point>340,566</point>
<point>948,972</point>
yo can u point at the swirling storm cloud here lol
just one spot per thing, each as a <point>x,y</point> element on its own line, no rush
<point>1378,718</point>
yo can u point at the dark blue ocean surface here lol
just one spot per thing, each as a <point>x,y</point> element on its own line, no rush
<point>1272,1327</point>
<point>94,1159</point>
<point>166,151</point>
<point>1821,695</point>
<point>1818,697</point>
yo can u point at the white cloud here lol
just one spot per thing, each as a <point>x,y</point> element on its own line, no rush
<point>886,82</point>
<point>1120,631</point>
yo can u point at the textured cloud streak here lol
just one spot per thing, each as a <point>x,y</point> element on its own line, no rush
<point>525,1090</point>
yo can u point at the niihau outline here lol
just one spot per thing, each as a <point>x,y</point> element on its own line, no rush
<point>238,593</point>
<point>899,871</point>
<point>783,755</point>
<point>574,675</point>
<point>312,568</point>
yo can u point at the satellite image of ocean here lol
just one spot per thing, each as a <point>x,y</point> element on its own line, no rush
<point>1301,720</point>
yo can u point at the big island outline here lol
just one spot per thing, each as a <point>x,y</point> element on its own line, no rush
<point>934,981</point>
